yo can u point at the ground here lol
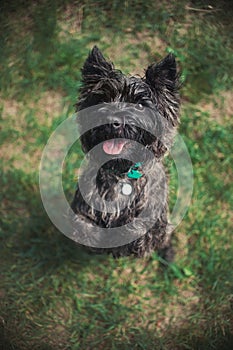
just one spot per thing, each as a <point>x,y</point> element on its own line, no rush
<point>55,295</point>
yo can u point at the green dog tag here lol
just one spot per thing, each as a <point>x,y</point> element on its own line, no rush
<point>133,172</point>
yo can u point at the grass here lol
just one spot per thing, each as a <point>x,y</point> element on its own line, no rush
<point>55,295</point>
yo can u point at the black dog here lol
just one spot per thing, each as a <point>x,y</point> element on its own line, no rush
<point>130,122</point>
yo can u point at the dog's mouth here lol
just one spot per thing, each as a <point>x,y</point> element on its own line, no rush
<point>114,146</point>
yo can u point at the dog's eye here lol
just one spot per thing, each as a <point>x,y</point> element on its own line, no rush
<point>139,106</point>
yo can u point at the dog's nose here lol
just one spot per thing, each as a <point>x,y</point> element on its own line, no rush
<point>116,123</point>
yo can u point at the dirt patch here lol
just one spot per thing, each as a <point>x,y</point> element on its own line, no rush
<point>219,108</point>
<point>70,21</point>
<point>46,107</point>
<point>23,120</point>
<point>150,48</point>
<point>49,105</point>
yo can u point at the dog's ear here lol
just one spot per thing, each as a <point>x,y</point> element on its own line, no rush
<point>163,79</point>
<point>96,70</point>
<point>96,67</point>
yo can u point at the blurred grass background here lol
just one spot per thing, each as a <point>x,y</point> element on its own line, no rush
<point>54,295</point>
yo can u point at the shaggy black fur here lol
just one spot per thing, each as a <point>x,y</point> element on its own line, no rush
<point>122,103</point>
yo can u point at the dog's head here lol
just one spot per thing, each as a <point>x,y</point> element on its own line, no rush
<point>144,110</point>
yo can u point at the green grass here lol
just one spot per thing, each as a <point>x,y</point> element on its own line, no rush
<point>55,295</point>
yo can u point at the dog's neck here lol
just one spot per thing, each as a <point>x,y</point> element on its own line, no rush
<point>134,171</point>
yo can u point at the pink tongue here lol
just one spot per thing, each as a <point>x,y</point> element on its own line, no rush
<point>113,146</point>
